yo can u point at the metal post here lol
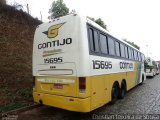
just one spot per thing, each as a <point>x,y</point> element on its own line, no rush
<point>28,8</point>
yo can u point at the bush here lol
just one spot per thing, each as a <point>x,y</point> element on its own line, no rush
<point>27,92</point>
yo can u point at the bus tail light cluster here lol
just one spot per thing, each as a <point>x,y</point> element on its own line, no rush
<point>82,84</point>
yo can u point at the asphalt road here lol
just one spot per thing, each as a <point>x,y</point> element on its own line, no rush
<point>142,102</point>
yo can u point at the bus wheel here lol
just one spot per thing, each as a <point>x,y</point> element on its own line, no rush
<point>122,90</point>
<point>114,93</point>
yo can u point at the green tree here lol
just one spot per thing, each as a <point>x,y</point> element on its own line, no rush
<point>2,1</point>
<point>132,43</point>
<point>58,9</point>
<point>99,21</point>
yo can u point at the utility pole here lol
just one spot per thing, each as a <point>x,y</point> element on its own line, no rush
<point>27,8</point>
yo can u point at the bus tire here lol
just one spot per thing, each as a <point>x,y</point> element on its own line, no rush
<point>122,90</point>
<point>114,93</point>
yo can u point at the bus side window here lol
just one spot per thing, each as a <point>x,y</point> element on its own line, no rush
<point>111,46</point>
<point>139,56</point>
<point>117,48</point>
<point>93,37</point>
<point>132,54</point>
<point>135,55</point>
<point>122,50</point>
<point>129,51</point>
<point>92,47</point>
<point>126,51</point>
<point>96,41</point>
<point>103,44</point>
<point>142,56</point>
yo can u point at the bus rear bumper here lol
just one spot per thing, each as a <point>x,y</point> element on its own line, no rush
<point>67,103</point>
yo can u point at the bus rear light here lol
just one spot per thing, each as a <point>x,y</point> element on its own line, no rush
<point>82,84</point>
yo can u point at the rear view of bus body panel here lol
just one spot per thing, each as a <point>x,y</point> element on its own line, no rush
<point>56,65</point>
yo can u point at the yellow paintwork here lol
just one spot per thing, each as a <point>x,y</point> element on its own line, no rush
<point>76,104</point>
<point>98,91</point>
<point>102,85</point>
<point>68,89</point>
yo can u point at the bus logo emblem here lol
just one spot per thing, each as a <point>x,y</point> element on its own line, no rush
<point>53,30</point>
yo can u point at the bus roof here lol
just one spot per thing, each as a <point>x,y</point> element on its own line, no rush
<point>95,25</point>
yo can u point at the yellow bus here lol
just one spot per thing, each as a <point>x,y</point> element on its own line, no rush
<point>79,66</point>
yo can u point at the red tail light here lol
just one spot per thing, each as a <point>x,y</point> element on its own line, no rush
<point>82,84</point>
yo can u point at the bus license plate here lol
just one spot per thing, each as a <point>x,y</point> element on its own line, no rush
<point>58,86</point>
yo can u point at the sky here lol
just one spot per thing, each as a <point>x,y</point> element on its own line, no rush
<point>135,20</point>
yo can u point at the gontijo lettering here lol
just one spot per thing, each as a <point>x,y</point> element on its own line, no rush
<point>55,43</point>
